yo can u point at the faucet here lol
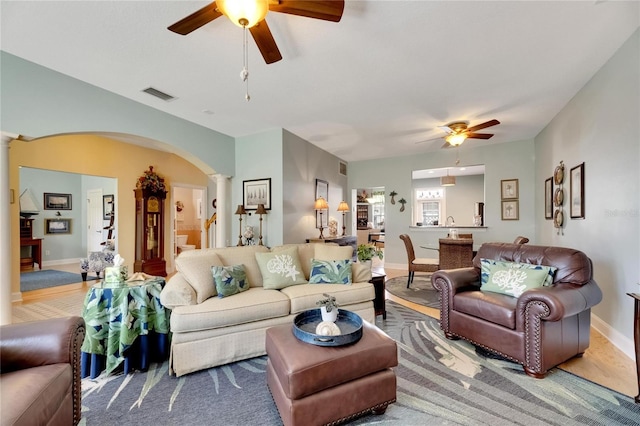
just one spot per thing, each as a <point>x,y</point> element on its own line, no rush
<point>452,222</point>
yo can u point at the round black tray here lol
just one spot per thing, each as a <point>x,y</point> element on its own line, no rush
<point>305,323</point>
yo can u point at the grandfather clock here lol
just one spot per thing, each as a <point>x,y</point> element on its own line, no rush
<point>150,232</point>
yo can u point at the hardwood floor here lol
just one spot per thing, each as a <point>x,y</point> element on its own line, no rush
<point>602,363</point>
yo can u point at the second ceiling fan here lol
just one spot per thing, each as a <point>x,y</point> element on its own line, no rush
<point>250,14</point>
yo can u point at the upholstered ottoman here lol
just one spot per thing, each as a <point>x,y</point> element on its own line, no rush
<point>316,385</point>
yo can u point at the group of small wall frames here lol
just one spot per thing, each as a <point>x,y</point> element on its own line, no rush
<point>554,198</point>
<point>510,201</point>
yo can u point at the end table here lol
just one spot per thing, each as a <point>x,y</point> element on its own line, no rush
<point>378,280</point>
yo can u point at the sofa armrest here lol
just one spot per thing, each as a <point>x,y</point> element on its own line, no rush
<point>38,343</point>
<point>456,280</point>
<point>562,300</point>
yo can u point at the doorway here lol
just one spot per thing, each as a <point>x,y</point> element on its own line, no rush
<point>189,216</point>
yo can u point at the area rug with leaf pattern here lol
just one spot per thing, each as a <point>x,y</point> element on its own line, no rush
<point>439,382</point>
<point>420,291</point>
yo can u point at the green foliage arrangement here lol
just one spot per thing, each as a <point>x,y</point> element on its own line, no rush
<point>329,302</point>
<point>367,252</point>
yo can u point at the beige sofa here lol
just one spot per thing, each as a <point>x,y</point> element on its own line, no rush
<point>209,331</point>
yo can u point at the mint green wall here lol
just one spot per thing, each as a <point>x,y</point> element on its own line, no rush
<point>259,156</point>
<point>600,126</point>
<point>513,160</point>
<point>303,163</point>
<point>37,101</point>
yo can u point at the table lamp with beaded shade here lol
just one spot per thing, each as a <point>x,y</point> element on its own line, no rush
<point>320,206</point>
<point>344,208</point>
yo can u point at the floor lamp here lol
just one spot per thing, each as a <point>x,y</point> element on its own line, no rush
<point>261,210</point>
<point>344,208</point>
<point>240,211</point>
<point>321,204</point>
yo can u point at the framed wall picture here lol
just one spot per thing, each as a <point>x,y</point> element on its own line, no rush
<point>54,201</point>
<point>548,198</point>
<point>107,206</point>
<point>510,210</point>
<point>576,180</point>
<point>256,191</point>
<point>509,189</point>
<point>57,226</point>
<point>322,190</point>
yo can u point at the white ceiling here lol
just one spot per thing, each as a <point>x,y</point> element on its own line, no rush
<point>370,86</point>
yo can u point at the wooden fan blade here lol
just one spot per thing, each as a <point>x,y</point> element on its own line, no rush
<point>427,140</point>
<point>196,20</point>
<point>267,45</point>
<point>327,10</point>
<point>479,135</point>
<point>483,125</point>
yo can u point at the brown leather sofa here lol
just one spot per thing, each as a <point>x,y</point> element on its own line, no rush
<point>540,329</point>
<point>40,376</point>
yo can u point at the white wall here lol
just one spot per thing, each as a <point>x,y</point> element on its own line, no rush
<point>600,126</point>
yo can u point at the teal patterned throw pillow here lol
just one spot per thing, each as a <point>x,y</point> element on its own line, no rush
<point>330,272</point>
<point>505,279</point>
<point>230,279</point>
<point>486,263</point>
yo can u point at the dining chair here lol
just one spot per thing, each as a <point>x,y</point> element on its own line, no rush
<point>521,240</point>
<point>417,264</point>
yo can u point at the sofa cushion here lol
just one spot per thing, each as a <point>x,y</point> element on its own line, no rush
<point>195,266</point>
<point>230,280</point>
<point>513,281</point>
<point>178,292</point>
<point>330,272</point>
<point>255,304</point>
<point>486,263</point>
<point>245,255</point>
<point>305,296</point>
<point>493,307</point>
<point>281,268</point>
<point>333,252</point>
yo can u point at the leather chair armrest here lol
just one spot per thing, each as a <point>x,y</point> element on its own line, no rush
<point>38,343</point>
<point>563,300</point>
<point>456,280</point>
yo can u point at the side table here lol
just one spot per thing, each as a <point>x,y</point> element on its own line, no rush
<point>636,335</point>
<point>378,280</point>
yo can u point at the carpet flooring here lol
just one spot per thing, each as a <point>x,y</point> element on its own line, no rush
<point>421,291</point>
<point>37,280</point>
<point>439,382</point>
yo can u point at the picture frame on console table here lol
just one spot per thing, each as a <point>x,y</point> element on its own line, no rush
<point>256,191</point>
<point>548,198</point>
<point>576,192</point>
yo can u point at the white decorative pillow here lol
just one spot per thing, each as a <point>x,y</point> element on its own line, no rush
<point>195,266</point>
<point>281,268</point>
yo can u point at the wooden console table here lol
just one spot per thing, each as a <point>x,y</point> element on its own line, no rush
<point>636,335</point>
<point>36,252</point>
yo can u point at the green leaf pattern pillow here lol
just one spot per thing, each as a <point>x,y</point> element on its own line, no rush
<point>330,272</point>
<point>513,282</point>
<point>486,263</point>
<point>230,280</point>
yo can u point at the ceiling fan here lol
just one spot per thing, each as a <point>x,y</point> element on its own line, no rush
<point>458,132</point>
<point>250,14</point>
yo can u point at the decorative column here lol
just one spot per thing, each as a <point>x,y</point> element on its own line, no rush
<point>222,209</point>
<point>6,260</point>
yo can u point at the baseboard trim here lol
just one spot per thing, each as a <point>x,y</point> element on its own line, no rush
<point>47,263</point>
<point>16,297</point>
<point>616,338</point>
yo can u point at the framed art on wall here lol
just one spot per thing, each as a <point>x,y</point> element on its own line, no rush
<point>57,201</point>
<point>57,226</point>
<point>107,206</point>
<point>256,191</point>
<point>548,198</point>
<point>510,210</point>
<point>576,192</point>
<point>509,189</point>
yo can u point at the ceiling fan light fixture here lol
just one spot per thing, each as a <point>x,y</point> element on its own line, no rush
<point>244,13</point>
<point>456,139</point>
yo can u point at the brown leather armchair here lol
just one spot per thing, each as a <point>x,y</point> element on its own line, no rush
<point>540,329</point>
<point>40,379</point>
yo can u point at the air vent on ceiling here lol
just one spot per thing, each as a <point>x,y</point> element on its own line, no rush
<point>158,94</point>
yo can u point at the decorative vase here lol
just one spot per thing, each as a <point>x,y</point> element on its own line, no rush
<point>329,316</point>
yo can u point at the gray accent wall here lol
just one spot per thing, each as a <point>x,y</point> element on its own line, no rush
<point>600,126</point>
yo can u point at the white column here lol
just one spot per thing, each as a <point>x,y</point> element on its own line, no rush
<point>5,231</point>
<point>222,209</point>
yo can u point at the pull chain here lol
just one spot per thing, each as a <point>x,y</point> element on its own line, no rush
<point>244,74</point>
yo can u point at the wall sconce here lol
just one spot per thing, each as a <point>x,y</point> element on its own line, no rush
<point>320,206</point>
<point>344,208</point>
<point>240,211</point>
<point>261,210</point>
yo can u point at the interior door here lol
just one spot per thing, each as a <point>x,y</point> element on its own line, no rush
<point>94,220</point>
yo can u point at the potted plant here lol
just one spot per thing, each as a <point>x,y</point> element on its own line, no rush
<point>366,252</point>
<point>328,308</point>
